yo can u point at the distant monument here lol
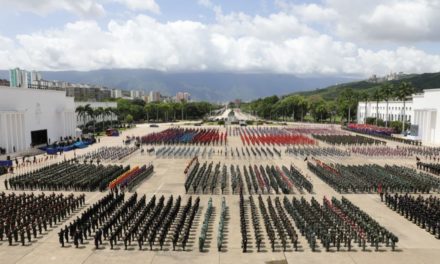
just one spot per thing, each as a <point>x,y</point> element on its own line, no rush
<point>231,118</point>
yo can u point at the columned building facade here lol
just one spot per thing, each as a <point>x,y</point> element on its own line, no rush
<point>423,112</point>
<point>395,112</point>
<point>426,123</point>
<point>32,117</point>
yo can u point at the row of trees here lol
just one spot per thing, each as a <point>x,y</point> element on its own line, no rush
<point>138,110</point>
<point>296,107</point>
<point>293,107</point>
<point>164,111</point>
<point>85,112</point>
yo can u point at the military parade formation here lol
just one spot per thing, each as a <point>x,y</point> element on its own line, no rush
<point>265,182</point>
<point>24,218</point>
<point>423,211</point>
<point>371,178</point>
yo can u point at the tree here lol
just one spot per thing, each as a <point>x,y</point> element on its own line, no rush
<point>99,112</point>
<point>346,99</point>
<point>108,113</point>
<point>318,108</point>
<point>89,112</point>
<point>129,119</point>
<point>405,89</point>
<point>114,111</point>
<point>81,113</point>
<point>149,107</point>
<point>303,105</point>
<point>182,108</point>
<point>387,92</point>
<point>365,97</point>
<point>332,108</point>
<point>377,96</point>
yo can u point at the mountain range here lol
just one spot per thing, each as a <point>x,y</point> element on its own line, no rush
<point>210,86</point>
<point>419,81</point>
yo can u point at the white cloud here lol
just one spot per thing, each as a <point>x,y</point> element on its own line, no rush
<point>87,8</point>
<point>398,21</point>
<point>205,3</point>
<point>309,12</point>
<point>237,42</point>
<point>141,5</point>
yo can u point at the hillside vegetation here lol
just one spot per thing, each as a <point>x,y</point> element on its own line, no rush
<point>419,81</point>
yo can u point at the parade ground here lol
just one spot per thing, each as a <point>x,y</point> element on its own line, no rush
<point>415,244</point>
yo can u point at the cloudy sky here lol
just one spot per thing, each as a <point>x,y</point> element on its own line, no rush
<point>327,37</point>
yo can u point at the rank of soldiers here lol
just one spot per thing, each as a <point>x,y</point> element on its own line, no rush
<point>337,224</point>
<point>348,140</point>
<point>430,167</point>
<point>67,175</point>
<point>115,219</point>
<point>199,137</point>
<point>423,211</point>
<point>370,178</point>
<point>210,178</point>
<point>108,153</point>
<point>24,218</point>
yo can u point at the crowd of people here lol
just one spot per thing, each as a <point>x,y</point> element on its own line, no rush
<point>195,136</point>
<point>337,223</point>
<point>272,136</point>
<point>315,151</point>
<point>205,225</point>
<point>372,177</point>
<point>380,132</point>
<point>116,218</point>
<point>346,140</point>
<point>24,217</point>
<point>208,178</point>
<point>67,175</point>
<point>115,153</point>
<point>423,211</point>
<point>433,168</point>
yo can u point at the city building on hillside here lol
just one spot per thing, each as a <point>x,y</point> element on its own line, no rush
<point>423,112</point>
<point>82,92</point>
<point>393,76</point>
<point>116,93</point>
<point>87,93</point>
<point>21,78</point>
<point>181,96</point>
<point>4,82</point>
<point>135,94</point>
<point>32,117</point>
<point>154,96</point>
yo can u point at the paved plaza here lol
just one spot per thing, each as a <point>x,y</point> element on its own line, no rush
<point>415,244</point>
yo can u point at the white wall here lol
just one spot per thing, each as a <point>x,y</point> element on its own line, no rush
<point>26,110</point>
<point>423,111</point>
<point>395,111</point>
<point>427,116</point>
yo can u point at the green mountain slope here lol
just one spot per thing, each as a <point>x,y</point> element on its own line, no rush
<point>419,81</point>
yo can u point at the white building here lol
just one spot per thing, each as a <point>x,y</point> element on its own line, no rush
<point>135,94</point>
<point>96,105</point>
<point>395,111</point>
<point>116,93</point>
<point>18,78</point>
<point>34,117</point>
<point>180,96</point>
<point>426,125</point>
<point>423,112</point>
<point>154,97</point>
